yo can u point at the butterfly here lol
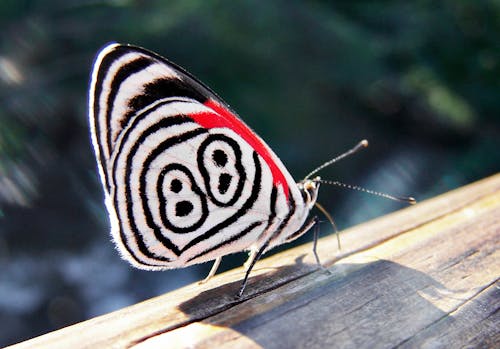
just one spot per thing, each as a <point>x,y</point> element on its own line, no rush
<point>186,181</point>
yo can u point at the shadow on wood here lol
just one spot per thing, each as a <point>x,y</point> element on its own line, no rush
<point>379,300</point>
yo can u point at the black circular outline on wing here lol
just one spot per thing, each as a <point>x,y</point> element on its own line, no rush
<point>238,165</point>
<point>163,201</point>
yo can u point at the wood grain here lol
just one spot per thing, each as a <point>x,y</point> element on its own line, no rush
<point>425,276</point>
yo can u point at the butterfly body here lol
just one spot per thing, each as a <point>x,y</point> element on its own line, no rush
<point>185,180</point>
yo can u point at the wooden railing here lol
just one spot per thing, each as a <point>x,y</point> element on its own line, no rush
<point>425,276</point>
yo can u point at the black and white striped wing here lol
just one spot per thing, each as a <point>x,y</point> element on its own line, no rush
<point>185,179</point>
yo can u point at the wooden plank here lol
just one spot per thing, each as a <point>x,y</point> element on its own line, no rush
<point>423,276</point>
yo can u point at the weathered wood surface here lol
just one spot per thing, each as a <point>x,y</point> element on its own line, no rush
<point>425,276</point>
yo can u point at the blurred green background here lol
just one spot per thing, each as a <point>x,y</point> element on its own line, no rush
<point>419,79</point>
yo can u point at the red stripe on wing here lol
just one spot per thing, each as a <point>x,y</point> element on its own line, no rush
<point>227,119</point>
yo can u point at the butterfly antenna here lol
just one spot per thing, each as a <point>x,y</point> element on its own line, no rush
<point>355,149</point>
<point>329,217</point>
<point>407,199</point>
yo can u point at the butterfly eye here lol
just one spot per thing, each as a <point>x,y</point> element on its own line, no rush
<point>183,207</point>
<point>219,160</point>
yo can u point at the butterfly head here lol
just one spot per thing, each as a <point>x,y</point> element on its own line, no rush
<point>309,189</point>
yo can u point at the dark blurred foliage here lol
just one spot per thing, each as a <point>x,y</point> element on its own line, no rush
<point>419,79</point>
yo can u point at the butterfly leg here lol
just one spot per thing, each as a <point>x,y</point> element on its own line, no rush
<point>256,254</point>
<point>212,272</point>
<point>315,245</point>
<point>254,257</point>
<point>251,257</point>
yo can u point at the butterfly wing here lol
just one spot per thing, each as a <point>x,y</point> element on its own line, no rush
<point>185,179</point>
